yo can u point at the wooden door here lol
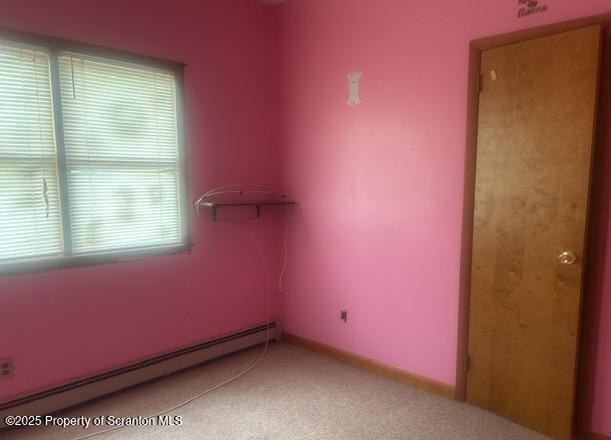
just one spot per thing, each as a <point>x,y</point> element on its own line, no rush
<point>537,116</point>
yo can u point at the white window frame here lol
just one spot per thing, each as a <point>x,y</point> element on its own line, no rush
<point>68,259</point>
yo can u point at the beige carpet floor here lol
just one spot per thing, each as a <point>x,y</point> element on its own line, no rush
<point>293,394</point>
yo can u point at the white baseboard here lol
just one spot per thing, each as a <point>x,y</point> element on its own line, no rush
<point>84,389</point>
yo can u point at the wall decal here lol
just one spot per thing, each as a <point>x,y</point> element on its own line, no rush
<point>530,7</point>
<point>354,88</point>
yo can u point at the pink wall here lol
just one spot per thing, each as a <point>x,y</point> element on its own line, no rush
<point>65,324</point>
<point>377,230</point>
<point>378,226</point>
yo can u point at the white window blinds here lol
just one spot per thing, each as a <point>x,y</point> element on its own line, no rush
<point>121,148</point>
<point>89,155</point>
<point>30,218</point>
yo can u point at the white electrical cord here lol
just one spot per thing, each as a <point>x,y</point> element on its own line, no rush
<point>237,376</point>
<point>255,189</point>
<point>286,252</point>
<point>235,189</point>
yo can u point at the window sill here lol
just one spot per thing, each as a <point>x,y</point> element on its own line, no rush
<point>61,262</point>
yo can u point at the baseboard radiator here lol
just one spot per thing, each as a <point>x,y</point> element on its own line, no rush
<point>84,389</point>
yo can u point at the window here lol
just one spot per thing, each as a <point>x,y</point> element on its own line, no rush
<point>91,155</point>
<point>30,220</point>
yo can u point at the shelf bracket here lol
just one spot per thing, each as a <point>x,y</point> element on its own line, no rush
<point>258,204</point>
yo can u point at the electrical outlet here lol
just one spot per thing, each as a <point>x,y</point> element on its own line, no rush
<point>6,368</point>
<point>344,315</point>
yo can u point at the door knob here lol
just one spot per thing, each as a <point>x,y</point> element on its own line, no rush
<point>567,257</point>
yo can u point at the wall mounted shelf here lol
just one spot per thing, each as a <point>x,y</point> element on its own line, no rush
<point>256,203</point>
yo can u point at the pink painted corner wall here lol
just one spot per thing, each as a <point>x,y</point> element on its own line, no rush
<point>378,226</point>
<point>377,229</point>
<point>62,325</point>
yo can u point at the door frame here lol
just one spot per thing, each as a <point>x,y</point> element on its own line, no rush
<point>586,354</point>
